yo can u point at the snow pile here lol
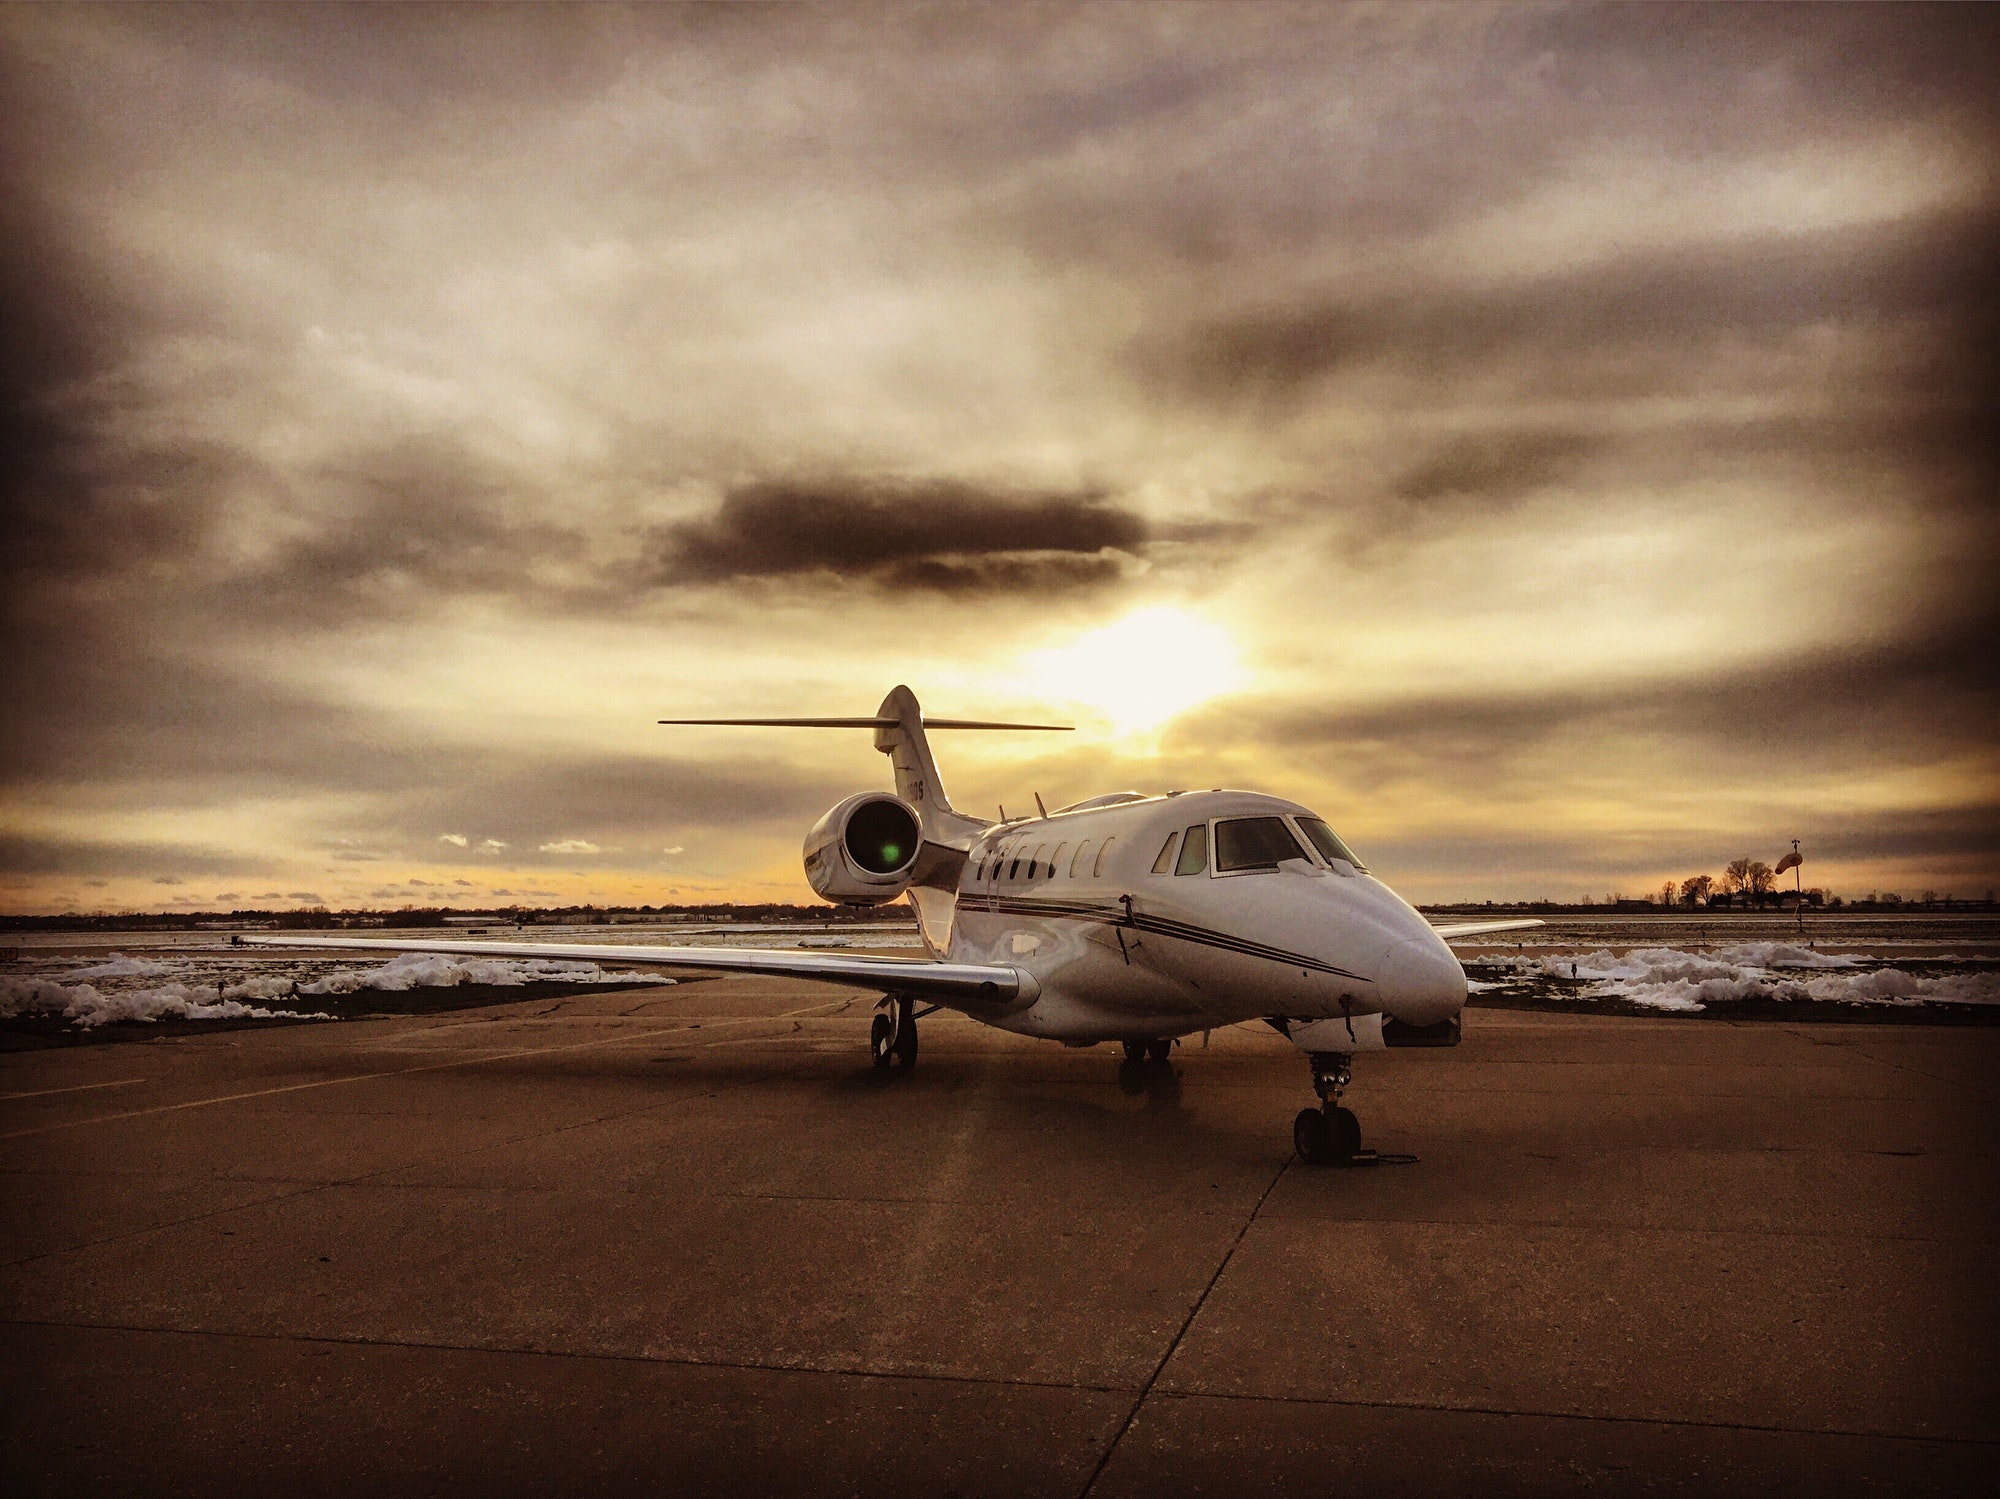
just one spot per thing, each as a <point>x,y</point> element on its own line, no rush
<point>1666,978</point>
<point>85,1006</point>
<point>1783,955</point>
<point>434,970</point>
<point>118,966</point>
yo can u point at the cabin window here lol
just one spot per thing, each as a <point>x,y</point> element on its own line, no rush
<point>1327,843</point>
<point>1015,867</point>
<point>1082,858</point>
<point>1055,860</point>
<point>1253,843</point>
<point>1166,860</point>
<point>1194,851</point>
<point>1036,860</point>
<point>1098,868</point>
<point>980,873</point>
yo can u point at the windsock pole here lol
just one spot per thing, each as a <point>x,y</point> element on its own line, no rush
<point>1795,862</point>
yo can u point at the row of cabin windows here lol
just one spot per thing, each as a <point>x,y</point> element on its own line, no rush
<point>1007,860</point>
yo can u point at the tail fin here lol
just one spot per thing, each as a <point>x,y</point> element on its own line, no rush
<point>899,734</point>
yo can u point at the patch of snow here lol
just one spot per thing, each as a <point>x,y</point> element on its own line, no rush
<point>435,970</point>
<point>85,1006</point>
<point>1666,978</point>
<point>118,966</point>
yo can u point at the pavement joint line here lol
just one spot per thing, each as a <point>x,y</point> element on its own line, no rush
<point>1675,1422</point>
<point>685,1361</point>
<point>628,1034</point>
<point>1194,1311</point>
<point>123,1082</point>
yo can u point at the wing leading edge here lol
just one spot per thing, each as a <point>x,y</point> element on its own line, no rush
<point>1481,928</point>
<point>959,986</point>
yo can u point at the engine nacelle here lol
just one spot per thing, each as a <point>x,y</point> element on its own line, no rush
<point>864,852</point>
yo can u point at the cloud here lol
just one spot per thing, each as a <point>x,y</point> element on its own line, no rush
<point>457,840</point>
<point>676,849</point>
<point>309,897</point>
<point>571,846</point>
<point>942,535</point>
<point>388,404</point>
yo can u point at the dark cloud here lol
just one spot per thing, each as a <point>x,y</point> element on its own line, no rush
<point>162,863</point>
<point>1837,710</point>
<point>1645,321</point>
<point>1502,466</point>
<point>943,535</point>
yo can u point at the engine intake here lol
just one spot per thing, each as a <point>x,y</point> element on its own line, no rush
<point>864,851</point>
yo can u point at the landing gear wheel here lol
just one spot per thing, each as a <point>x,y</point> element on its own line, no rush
<point>1157,1052</point>
<point>906,1041</point>
<point>1135,1051</point>
<point>881,1038</point>
<point>1344,1130</point>
<point>1311,1138</point>
<point>1326,1137</point>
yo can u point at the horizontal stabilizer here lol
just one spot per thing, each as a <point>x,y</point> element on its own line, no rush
<point>864,723</point>
<point>1481,928</point>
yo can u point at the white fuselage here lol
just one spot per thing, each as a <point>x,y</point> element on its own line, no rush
<point>1120,951</point>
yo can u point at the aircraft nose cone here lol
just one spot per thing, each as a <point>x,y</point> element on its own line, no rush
<point>1420,982</point>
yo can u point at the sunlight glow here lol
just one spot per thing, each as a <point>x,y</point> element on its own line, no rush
<point>1140,671</point>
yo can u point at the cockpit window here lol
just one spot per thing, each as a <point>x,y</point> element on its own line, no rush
<point>1254,843</point>
<point>1166,860</point>
<point>1082,858</point>
<point>1327,843</point>
<point>1103,851</point>
<point>1055,860</point>
<point>1194,851</point>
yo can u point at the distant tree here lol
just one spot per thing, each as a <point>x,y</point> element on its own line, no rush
<point>1667,893</point>
<point>1736,877</point>
<point>1930,897</point>
<point>1695,888</point>
<point>1760,880</point>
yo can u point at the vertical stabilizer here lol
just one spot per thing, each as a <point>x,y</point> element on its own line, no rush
<point>909,751</point>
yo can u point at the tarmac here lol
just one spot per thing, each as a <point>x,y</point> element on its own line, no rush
<point>686,1240</point>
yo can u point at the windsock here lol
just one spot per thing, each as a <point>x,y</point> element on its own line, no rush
<point>1790,861</point>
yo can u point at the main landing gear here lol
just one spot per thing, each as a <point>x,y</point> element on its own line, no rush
<point>1328,1135</point>
<point>892,1038</point>
<point>1154,1052</point>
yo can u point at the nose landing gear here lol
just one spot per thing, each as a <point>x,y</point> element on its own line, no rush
<point>1328,1135</point>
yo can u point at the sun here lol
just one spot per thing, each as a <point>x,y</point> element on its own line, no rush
<point>1141,671</point>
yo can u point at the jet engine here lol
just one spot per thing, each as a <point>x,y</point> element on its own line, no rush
<point>864,852</point>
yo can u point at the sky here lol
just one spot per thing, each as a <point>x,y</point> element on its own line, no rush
<point>1553,442</point>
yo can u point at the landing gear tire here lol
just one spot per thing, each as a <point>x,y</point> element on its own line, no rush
<point>1135,1051</point>
<point>892,1038</point>
<point>1345,1130</point>
<point>1311,1138</point>
<point>1326,1137</point>
<point>1157,1052</point>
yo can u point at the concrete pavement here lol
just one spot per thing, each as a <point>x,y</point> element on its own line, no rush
<point>686,1237</point>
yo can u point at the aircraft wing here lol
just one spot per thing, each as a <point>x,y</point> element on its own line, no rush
<point>1481,928</point>
<point>956,985</point>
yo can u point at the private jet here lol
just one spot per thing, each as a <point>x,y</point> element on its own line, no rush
<point>1127,918</point>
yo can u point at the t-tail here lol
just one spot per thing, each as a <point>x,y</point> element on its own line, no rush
<point>871,848</point>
